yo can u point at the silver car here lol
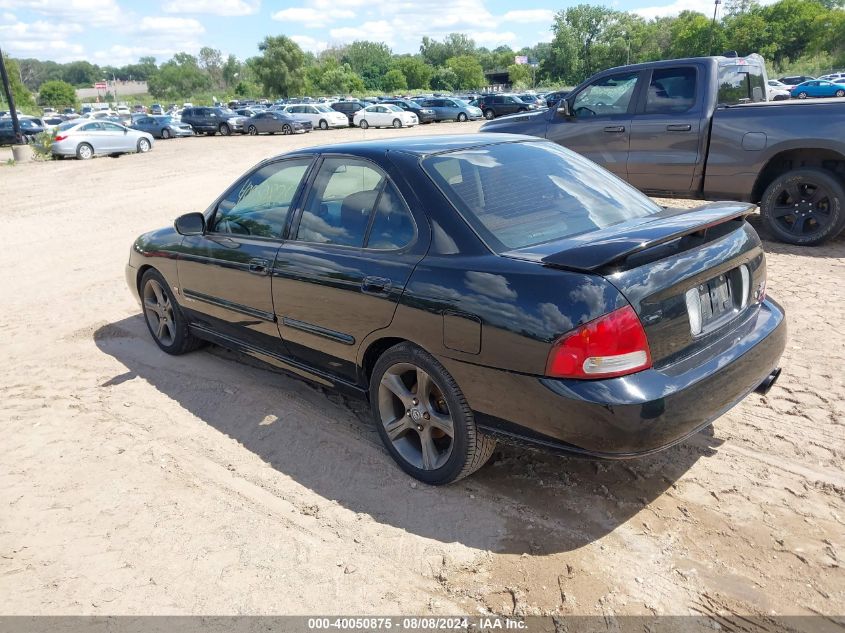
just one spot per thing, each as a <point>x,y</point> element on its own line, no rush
<point>86,139</point>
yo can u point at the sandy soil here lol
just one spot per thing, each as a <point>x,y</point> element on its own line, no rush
<point>133,482</point>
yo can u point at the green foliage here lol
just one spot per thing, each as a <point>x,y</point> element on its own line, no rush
<point>370,60</point>
<point>394,81</point>
<point>416,72</point>
<point>42,145</point>
<point>468,72</point>
<point>180,78</point>
<point>57,94</point>
<point>22,96</point>
<point>454,45</point>
<point>281,66</point>
<point>520,75</point>
<point>444,79</point>
<point>333,78</point>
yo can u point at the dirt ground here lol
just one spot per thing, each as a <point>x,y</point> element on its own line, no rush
<point>137,483</point>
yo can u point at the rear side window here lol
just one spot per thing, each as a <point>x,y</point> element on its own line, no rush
<point>522,194</point>
<point>671,91</point>
<point>741,83</point>
<point>352,203</point>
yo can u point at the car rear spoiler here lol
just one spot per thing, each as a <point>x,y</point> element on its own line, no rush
<point>595,250</point>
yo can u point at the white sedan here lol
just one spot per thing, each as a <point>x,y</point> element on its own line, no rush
<point>777,91</point>
<point>384,115</point>
<point>319,116</point>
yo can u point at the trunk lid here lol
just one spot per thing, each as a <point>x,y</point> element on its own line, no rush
<point>692,276</point>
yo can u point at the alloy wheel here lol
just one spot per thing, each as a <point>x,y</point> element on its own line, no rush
<point>286,129</point>
<point>158,311</point>
<point>416,416</point>
<point>803,208</point>
<point>165,133</point>
<point>253,131</point>
<point>143,145</point>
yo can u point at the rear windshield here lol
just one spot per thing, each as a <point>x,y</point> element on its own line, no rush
<point>741,83</point>
<point>517,195</point>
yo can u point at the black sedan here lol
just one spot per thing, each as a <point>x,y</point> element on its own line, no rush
<point>273,122</point>
<point>161,126</point>
<point>30,128</point>
<point>474,289</point>
<point>424,115</point>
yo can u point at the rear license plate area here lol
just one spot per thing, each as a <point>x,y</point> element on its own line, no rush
<point>716,300</point>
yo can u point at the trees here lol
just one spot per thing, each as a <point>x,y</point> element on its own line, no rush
<point>454,45</point>
<point>468,72</point>
<point>416,72</point>
<point>520,75</point>
<point>180,77</point>
<point>57,94</point>
<point>444,79</point>
<point>210,60</point>
<point>370,60</point>
<point>394,80</point>
<point>22,96</point>
<point>280,67</point>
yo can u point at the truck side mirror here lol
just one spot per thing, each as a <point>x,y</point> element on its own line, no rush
<point>563,108</point>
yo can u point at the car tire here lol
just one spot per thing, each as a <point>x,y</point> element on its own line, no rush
<point>163,316</point>
<point>252,130</point>
<point>802,95</point>
<point>144,146</point>
<point>824,206</point>
<point>363,124</point>
<point>462,117</point>
<point>84,151</point>
<point>165,134</point>
<point>287,129</point>
<point>323,124</point>
<point>225,130</point>
<point>415,430</point>
<point>840,93</point>
<point>397,123</point>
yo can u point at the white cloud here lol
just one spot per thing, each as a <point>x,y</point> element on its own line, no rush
<point>492,39</point>
<point>86,12</point>
<point>676,7</point>
<point>40,39</point>
<point>526,16</point>
<point>158,26</point>
<point>309,43</point>
<point>213,7</point>
<point>312,17</point>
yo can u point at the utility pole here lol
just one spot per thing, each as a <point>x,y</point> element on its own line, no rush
<point>713,24</point>
<point>10,98</point>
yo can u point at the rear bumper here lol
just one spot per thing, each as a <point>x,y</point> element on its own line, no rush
<point>631,415</point>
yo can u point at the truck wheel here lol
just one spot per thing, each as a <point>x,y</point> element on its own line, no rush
<point>804,206</point>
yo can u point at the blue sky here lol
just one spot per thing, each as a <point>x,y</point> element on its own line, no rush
<point>117,32</point>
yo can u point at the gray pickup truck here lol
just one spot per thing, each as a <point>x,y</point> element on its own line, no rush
<point>702,128</point>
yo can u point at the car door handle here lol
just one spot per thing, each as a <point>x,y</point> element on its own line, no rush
<point>259,266</point>
<point>375,286</point>
<point>615,129</point>
<point>679,128</point>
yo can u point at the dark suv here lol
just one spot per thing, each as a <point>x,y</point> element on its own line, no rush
<point>794,80</point>
<point>497,105</point>
<point>213,120</point>
<point>425,115</point>
<point>349,108</point>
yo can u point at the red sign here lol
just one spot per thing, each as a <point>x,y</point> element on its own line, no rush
<point>101,86</point>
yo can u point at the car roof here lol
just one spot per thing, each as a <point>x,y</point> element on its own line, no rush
<point>419,145</point>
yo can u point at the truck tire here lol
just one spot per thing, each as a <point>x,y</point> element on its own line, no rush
<point>804,206</point>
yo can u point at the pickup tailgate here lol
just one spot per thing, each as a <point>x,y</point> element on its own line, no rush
<point>692,276</point>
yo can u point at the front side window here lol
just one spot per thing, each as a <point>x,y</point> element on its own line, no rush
<point>259,204</point>
<point>523,194</point>
<point>608,96</point>
<point>671,91</point>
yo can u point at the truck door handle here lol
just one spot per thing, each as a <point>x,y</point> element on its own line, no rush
<point>375,286</point>
<point>679,128</point>
<point>259,266</point>
<point>615,129</point>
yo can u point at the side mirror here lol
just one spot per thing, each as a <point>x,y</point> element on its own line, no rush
<point>190,224</point>
<point>563,108</point>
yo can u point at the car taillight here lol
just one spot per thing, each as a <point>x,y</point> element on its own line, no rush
<point>612,345</point>
<point>59,137</point>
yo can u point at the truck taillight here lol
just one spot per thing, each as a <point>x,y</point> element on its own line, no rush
<point>612,345</point>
